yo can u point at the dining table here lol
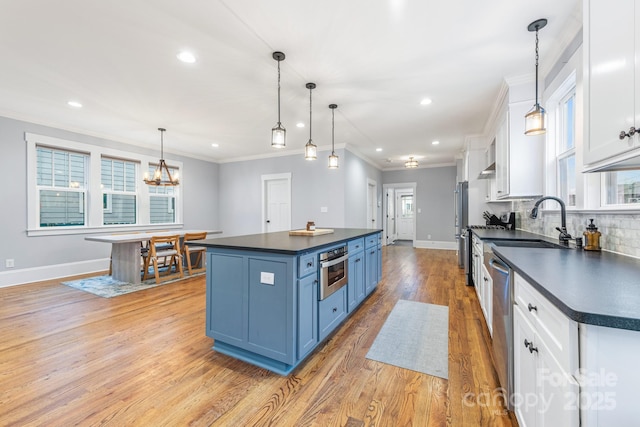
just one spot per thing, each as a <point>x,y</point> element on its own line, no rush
<point>126,250</point>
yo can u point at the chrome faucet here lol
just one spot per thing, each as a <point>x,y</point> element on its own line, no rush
<point>564,236</point>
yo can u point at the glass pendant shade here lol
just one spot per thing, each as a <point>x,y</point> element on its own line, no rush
<point>278,135</point>
<point>310,151</point>
<point>535,121</point>
<point>333,161</point>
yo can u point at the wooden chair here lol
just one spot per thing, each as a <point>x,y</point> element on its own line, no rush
<point>159,251</point>
<point>198,251</point>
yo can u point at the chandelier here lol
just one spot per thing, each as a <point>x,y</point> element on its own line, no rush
<point>162,175</point>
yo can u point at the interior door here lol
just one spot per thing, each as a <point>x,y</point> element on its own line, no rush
<point>392,233</point>
<point>404,214</point>
<point>371,205</point>
<point>277,206</point>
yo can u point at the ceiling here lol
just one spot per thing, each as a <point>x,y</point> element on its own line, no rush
<point>376,59</point>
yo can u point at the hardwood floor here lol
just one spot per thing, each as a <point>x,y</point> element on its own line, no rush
<point>72,358</point>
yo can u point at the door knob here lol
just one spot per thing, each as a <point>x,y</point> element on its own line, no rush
<point>268,222</point>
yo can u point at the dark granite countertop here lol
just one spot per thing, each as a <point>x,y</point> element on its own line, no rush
<point>282,242</point>
<point>597,288</point>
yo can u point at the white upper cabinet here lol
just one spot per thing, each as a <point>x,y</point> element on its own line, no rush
<point>519,158</point>
<point>612,84</point>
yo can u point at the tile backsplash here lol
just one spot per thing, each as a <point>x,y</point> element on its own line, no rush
<point>620,232</point>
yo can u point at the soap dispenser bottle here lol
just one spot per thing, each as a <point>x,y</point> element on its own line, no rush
<point>592,237</point>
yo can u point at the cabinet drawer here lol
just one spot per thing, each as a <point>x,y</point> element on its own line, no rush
<point>558,332</point>
<point>371,240</point>
<point>356,245</point>
<point>307,264</point>
<point>331,311</point>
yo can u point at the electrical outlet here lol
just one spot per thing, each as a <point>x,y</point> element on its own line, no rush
<point>9,263</point>
<point>428,236</point>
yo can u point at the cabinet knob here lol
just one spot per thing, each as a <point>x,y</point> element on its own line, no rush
<point>315,282</point>
<point>309,264</point>
<point>335,309</point>
<point>532,307</point>
<point>532,348</point>
<point>527,343</point>
<point>485,279</point>
<point>632,131</point>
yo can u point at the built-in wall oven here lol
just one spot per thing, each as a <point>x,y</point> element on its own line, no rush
<point>333,270</point>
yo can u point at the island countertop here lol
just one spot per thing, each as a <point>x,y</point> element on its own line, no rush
<point>281,242</point>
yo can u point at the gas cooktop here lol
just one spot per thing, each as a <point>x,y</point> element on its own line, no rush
<point>487,227</point>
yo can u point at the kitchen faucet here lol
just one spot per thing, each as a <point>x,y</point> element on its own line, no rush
<point>564,236</point>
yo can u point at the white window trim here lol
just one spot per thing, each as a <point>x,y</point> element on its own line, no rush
<point>554,108</point>
<point>94,191</point>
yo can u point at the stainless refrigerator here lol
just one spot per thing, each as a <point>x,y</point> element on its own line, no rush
<point>461,220</point>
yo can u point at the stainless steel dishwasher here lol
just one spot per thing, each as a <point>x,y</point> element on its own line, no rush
<point>502,318</point>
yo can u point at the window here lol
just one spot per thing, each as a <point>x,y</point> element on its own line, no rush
<point>61,187</point>
<point>406,201</point>
<point>566,148</point>
<point>621,188</point>
<point>75,188</point>
<point>119,197</point>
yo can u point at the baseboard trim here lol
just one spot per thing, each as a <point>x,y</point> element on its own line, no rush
<point>432,244</point>
<point>51,272</point>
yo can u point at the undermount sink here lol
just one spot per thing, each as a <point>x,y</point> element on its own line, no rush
<point>529,244</point>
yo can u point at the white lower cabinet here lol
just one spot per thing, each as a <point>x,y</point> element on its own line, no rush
<point>546,392</point>
<point>486,300</point>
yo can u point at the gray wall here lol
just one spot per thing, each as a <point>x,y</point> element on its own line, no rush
<point>435,199</point>
<point>313,185</point>
<point>357,174</point>
<point>199,187</point>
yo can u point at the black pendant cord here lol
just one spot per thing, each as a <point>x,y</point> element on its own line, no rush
<point>333,129</point>
<point>310,110</point>
<point>279,92</point>
<point>537,57</point>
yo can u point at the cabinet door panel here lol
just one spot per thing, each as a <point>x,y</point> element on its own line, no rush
<point>525,391</point>
<point>609,88</point>
<point>269,308</point>
<point>226,295</point>
<point>307,315</point>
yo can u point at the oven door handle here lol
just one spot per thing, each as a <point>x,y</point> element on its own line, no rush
<point>499,266</point>
<point>331,262</point>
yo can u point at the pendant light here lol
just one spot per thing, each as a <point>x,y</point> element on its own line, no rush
<point>333,159</point>
<point>162,169</point>
<point>310,150</point>
<point>278,133</point>
<point>411,163</point>
<point>534,121</point>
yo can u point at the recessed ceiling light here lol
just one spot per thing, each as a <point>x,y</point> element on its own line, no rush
<point>435,143</point>
<point>187,57</point>
<point>74,104</point>
<point>378,149</point>
<point>300,124</point>
<point>426,101</point>
<point>214,145</point>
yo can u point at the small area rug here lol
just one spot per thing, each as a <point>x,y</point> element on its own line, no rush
<point>107,287</point>
<point>415,336</point>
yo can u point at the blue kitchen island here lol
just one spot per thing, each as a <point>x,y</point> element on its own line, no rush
<point>263,292</point>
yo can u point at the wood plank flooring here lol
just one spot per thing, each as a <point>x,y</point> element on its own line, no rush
<point>72,358</point>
